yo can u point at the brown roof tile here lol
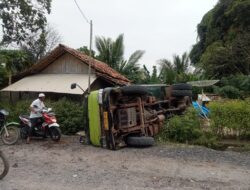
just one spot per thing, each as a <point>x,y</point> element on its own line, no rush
<point>101,68</point>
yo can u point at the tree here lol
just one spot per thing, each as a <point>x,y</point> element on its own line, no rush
<point>39,44</point>
<point>175,71</point>
<point>223,46</point>
<point>12,61</point>
<point>150,78</point>
<point>167,72</point>
<point>85,50</point>
<point>181,64</point>
<point>21,18</point>
<point>112,52</point>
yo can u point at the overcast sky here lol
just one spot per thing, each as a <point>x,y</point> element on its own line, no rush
<point>160,27</point>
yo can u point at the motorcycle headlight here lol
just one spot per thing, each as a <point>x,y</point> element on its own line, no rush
<point>53,120</point>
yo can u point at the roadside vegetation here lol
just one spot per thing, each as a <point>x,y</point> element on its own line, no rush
<point>229,120</point>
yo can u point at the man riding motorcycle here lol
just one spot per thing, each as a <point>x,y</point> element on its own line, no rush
<point>35,114</point>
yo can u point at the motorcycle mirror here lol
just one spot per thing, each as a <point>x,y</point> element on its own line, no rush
<point>73,86</point>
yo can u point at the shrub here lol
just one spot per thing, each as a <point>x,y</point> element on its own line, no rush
<point>21,107</point>
<point>234,86</point>
<point>186,129</point>
<point>230,92</point>
<point>231,118</point>
<point>69,115</point>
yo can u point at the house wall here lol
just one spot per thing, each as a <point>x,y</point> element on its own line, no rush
<point>14,97</point>
<point>66,64</point>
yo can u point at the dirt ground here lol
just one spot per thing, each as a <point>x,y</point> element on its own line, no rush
<point>68,165</point>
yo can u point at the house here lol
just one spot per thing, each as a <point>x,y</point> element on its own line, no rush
<point>62,67</point>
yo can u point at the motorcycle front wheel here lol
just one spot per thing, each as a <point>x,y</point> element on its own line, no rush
<point>4,165</point>
<point>55,133</point>
<point>10,136</point>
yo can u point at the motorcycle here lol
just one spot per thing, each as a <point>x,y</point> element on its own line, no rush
<point>9,131</point>
<point>4,165</point>
<point>46,126</point>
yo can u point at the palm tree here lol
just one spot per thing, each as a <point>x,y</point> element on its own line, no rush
<point>150,78</point>
<point>175,71</point>
<point>167,71</point>
<point>181,63</point>
<point>112,53</point>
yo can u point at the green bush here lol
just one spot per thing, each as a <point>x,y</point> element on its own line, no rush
<point>230,92</point>
<point>186,129</point>
<point>69,114</point>
<point>228,119</point>
<point>231,118</point>
<point>21,107</point>
<point>234,87</point>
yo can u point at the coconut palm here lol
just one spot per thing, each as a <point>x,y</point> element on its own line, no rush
<point>112,52</point>
<point>181,63</point>
<point>167,71</point>
<point>176,70</point>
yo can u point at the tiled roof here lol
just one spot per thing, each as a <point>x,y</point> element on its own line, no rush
<point>101,68</point>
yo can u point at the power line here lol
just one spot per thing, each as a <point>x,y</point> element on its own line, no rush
<point>90,42</point>
<point>85,18</point>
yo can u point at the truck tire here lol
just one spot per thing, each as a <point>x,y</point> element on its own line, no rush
<point>180,93</point>
<point>182,86</point>
<point>139,141</point>
<point>134,90</point>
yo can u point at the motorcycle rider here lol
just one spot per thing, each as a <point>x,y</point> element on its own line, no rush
<point>35,114</point>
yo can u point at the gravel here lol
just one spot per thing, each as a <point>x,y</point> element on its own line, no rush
<point>69,165</point>
<point>198,153</point>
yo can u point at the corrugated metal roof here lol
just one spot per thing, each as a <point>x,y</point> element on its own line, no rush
<point>59,83</point>
<point>101,68</point>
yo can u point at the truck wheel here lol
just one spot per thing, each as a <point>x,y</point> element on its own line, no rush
<point>182,86</point>
<point>180,93</point>
<point>140,141</point>
<point>134,90</point>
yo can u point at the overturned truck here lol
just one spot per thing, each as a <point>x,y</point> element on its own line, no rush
<point>132,115</point>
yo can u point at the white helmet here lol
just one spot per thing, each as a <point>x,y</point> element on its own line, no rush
<point>41,95</point>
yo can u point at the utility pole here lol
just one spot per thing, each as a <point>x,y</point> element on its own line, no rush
<point>90,54</point>
<point>90,42</point>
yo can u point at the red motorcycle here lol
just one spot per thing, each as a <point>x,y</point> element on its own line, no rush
<point>47,126</point>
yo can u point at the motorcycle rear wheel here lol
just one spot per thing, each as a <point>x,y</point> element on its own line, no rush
<point>24,133</point>
<point>12,137</point>
<point>4,165</point>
